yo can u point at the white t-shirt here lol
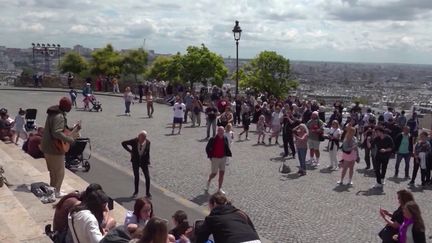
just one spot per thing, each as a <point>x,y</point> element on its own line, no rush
<point>230,136</point>
<point>334,132</point>
<point>387,115</point>
<point>85,227</point>
<point>179,109</point>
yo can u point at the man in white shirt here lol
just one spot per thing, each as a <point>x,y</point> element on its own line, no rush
<point>179,109</point>
<point>388,114</point>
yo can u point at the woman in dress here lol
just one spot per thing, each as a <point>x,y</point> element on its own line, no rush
<point>349,154</point>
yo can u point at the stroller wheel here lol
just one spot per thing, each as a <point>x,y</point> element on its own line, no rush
<point>86,166</point>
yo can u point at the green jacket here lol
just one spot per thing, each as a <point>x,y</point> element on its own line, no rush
<point>54,126</point>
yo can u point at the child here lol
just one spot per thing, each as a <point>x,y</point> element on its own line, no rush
<point>260,129</point>
<point>246,122</point>
<point>73,95</point>
<point>19,126</point>
<point>230,136</point>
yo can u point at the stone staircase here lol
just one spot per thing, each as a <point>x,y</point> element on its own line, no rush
<point>22,216</point>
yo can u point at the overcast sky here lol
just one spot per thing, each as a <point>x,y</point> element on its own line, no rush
<point>321,30</point>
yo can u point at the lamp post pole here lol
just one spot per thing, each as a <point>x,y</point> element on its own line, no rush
<point>237,34</point>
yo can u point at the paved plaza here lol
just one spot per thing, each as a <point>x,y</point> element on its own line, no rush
<point>283,208</point>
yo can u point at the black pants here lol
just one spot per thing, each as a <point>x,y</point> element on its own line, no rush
<point>237,119</point>
<point>288,139</point>
<point>144,167</point>
<point>380,167</point>
<point>141,96</point>
<point>367,158</point>
<point>424,173</point>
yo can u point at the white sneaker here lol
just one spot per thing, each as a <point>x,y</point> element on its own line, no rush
<point>350,183</point>
<point>60,194</point>
<point>221,191</point>
<point>339,182</point>
<point>383,181</point>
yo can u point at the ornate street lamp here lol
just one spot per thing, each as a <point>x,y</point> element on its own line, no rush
<point>237,34</point>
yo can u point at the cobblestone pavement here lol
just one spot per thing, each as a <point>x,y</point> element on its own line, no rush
<point>283,208</point>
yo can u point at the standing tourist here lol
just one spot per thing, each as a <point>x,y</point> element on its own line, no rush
<point>413,124</point>
<point>301,134</point>
<point>54,135</point>
<point>87,93</point>
<point>384,144</point>
<point>211,114</point>
<point>288,124</point>
<point>179,111</point>
<point>140,92</point>
<point>404,150</point>
<point>246,123</point>
<point>275,124</point>
<point>334,135</point>
<point>422,151</point>
<point>128,99</point>
<point>349,155</point>
<point>226,117</point>
<point>139,149</point>
<point>197,108</point>
<point>218,150</point>
<point>229,133</point>
<point>149,101</point>
<point>115,85</point>
<point>315,126</point>
<point>69,80</point>
<point>188,102</point>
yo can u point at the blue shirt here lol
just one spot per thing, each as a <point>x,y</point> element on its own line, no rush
<point>403,147</point>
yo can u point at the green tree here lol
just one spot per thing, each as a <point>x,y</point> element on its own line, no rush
<point>269,72</point>
<point>74,63</point>
<point>200,65</point>
<point>106,61</point>
<point>134,62</point>
<point>165,68</point>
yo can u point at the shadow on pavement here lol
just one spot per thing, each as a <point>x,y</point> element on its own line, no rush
<point>202,140</point>
<point>366,173</point>
<point>371,192</point>
<point>326,171</point>
<point>292,176</point>
<point>342,188</point>
<point>278,159</point>
<point>122,200</point>
<point>201,199</point>
<point>397,180</point>
<point>22,188</point>
<point>144,117</point>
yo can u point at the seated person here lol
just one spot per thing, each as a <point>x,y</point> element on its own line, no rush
<point>85,221</point>
<point>181,224</point>
<point>31,145</point>
<point>143,211</point>
<point>63,207</point>
<point>6,125</point>
<point>156,231</point>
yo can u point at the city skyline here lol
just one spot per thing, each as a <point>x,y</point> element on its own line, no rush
<point>391,31</point>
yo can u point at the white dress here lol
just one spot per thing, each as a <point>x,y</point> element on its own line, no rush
<point>19,125</point>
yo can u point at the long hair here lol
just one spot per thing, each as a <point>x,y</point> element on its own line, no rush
<point>414,209</point>
<point>404,197</point>
<point>155,231</point>
<point>139,204</point>
<point>95,202</point>
<point>304,128</point>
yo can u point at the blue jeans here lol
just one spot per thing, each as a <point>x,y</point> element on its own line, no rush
<point>301,152</point>
<point>399,158</point>
<point>127,104</point>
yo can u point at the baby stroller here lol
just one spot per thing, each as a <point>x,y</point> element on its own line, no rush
<point>96,105</point>
<point>30,117</point>
<point>74,158</point>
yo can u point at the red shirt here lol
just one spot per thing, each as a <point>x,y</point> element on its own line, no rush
<point>219,147</point>
<point>33,146</point>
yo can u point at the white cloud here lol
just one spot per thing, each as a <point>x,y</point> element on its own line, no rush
<point>315,26</point>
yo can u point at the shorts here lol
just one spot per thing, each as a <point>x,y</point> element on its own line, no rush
<point>178,120</point>
<point>313,144</point>
<point>218,164</point>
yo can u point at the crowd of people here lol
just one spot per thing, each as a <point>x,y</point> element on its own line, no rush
<point>305,126</point>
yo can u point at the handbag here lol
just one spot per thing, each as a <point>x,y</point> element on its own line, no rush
<point>387,233</point>
<point>284,169</point>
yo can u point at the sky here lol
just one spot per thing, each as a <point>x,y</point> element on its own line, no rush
<point>392,31</point>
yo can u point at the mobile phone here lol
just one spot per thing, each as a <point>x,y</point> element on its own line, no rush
<point>110,203</point>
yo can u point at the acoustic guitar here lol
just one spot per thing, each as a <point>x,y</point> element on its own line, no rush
<point>65,146</point>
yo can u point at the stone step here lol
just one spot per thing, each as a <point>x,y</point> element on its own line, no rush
<point>17,220</point>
